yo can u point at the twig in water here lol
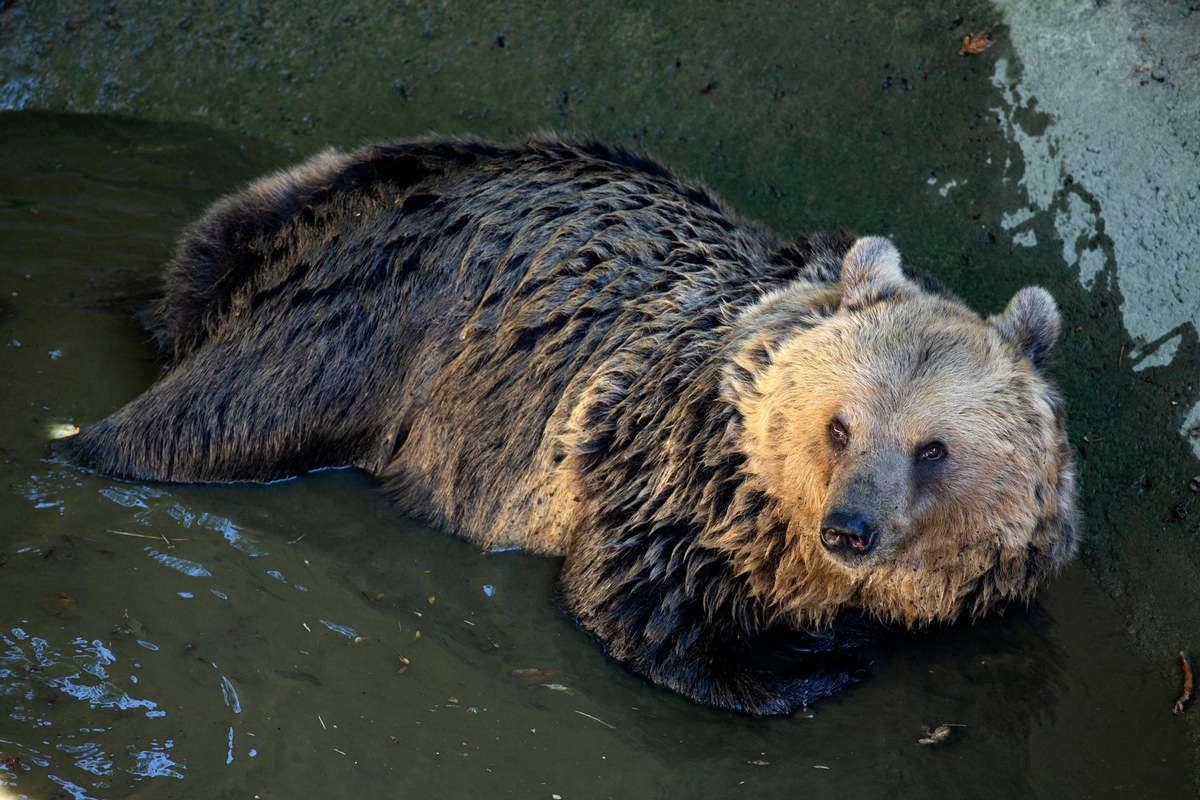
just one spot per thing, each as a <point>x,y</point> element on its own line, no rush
<point>146,536</point>
<point>595,719</point>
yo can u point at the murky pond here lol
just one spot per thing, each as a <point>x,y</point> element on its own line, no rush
<point>301,639</point>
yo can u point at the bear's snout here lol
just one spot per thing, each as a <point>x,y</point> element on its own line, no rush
<point>847,535</point>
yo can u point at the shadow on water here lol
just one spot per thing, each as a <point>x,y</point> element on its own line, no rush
<point>300,639</point>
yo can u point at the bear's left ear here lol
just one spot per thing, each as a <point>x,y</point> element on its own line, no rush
<point>871,273</point>
<point>1031,322</point>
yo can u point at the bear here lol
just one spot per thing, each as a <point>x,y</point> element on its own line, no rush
<point>753,456</point>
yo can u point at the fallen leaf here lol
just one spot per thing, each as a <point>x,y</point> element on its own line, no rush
<point>1188,683</point>
<point>937,736</point>
<point>530,675</point>
<point>975,43</point>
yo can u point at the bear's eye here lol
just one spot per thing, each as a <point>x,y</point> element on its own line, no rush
<point>934,451</point>
<point>838,433</point>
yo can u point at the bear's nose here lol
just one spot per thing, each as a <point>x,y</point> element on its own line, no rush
<point>847,534</point>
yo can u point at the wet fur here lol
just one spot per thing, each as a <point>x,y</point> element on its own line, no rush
<point>563,347</point>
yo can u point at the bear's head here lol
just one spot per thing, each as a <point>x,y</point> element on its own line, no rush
<point>914,455</point>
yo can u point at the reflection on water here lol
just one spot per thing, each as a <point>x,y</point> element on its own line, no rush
<point>36,661</point>
<point>37,679</point>
<point>298,639</point>
<point>40,679</point>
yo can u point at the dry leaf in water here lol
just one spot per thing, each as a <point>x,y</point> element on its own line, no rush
<point>937,736</point>
<point>530,675</point>
<point>61,602</point>
<point>975,43</point>
<point>1188,684</point>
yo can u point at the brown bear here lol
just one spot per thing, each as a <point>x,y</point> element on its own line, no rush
<point>735,442</point>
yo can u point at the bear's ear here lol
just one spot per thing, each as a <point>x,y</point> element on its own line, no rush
<point>1031,322</point>
<point>871,272</point>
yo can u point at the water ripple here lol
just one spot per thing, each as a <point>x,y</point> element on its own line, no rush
<point>192,569</point>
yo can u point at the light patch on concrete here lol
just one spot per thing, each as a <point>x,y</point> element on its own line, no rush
<point>1158,356</point>
<point>1016,219</point>
<point>1191,426</point>
<point>1076,226</point>
<point>945,190</point>
<point>1121,151</point>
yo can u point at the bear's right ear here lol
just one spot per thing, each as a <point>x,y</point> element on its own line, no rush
<point>871,272</point>
<point>1031,322</point>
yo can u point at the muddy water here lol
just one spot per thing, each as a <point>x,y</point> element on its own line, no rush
<point>301,639</point>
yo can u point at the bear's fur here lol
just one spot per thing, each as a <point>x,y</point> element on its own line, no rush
<point>563,347</point>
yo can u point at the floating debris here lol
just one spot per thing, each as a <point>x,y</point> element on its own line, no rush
<point>128,626</point>
<point>595,719</point>
<point>531,675</point>
<point>1186,696</point>
<point>61,603</point>
<point>939,735</point>
<point>975,43</point>
<point>61,430</point>
<point>144,536</point>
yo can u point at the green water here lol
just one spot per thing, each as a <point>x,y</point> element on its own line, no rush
<point>302,640</point>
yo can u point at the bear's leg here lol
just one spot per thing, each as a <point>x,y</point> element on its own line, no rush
<point>255,406</point>
<point>676,622</point>
<point>729,670</point>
